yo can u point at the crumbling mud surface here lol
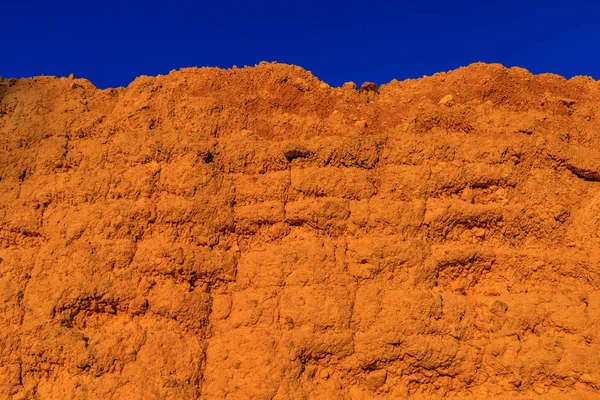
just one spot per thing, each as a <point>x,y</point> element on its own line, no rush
<point>256,234</point>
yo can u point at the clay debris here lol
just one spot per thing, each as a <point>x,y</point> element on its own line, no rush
<point>256,234</point>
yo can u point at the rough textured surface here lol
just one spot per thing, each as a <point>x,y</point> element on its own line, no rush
<point>254,233</point>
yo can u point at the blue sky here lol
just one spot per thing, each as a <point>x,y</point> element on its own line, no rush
<point>111,42</point>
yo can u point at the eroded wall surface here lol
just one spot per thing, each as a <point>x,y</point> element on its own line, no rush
<point>255,233</point>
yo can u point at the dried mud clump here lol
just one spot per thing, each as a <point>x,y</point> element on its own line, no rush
<point>295,150</point>
<point>369,87</point>
<point>256,234</point>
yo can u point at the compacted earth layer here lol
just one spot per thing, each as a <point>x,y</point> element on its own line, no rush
<point>254,233</point>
